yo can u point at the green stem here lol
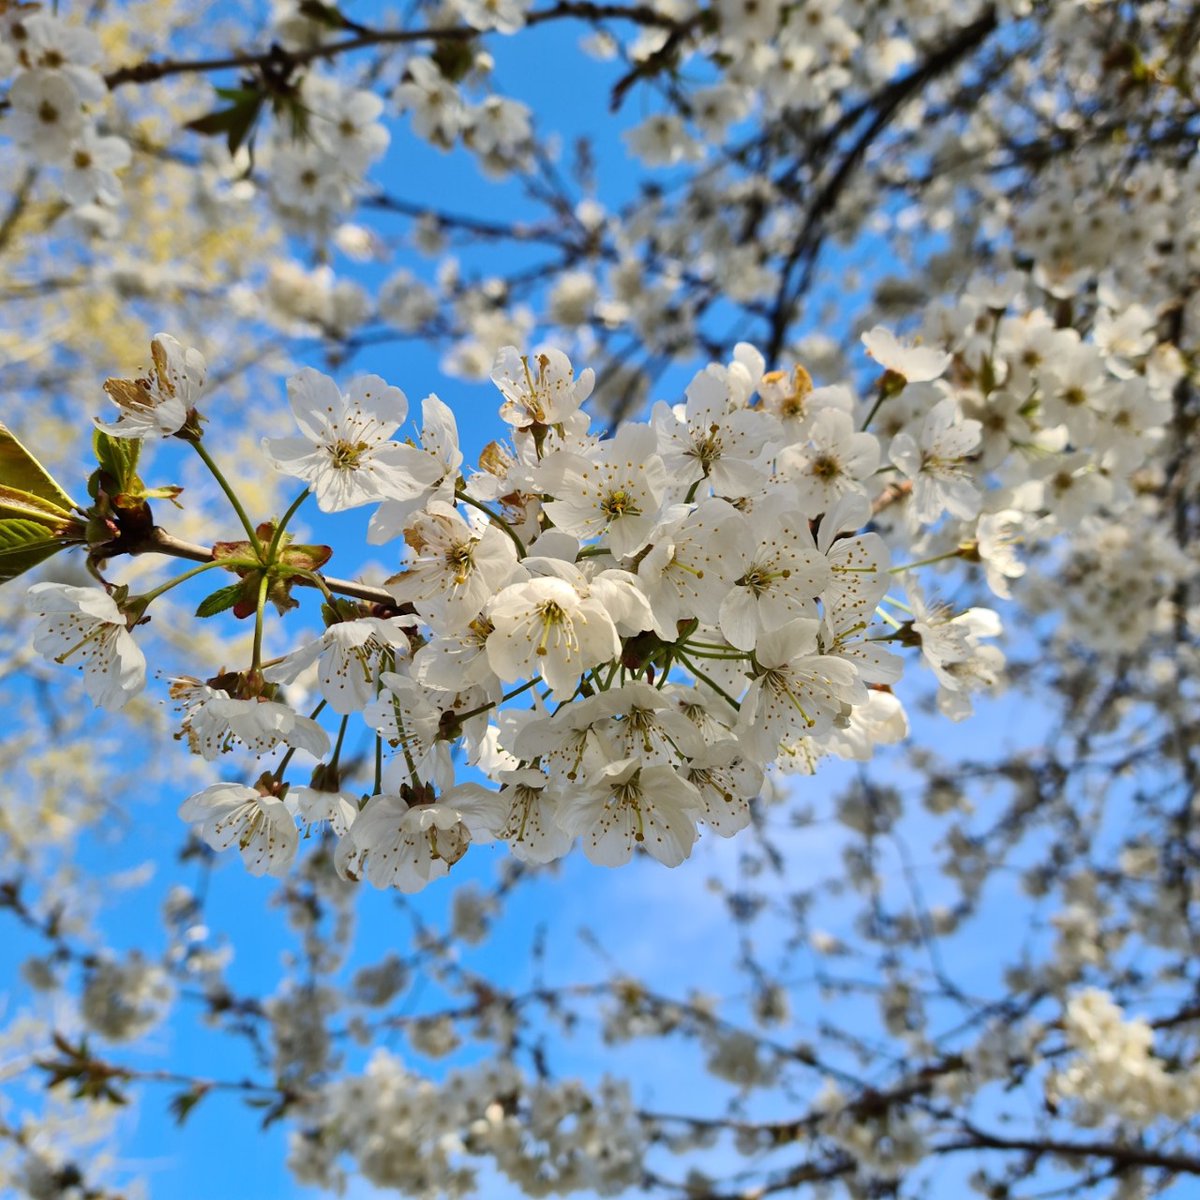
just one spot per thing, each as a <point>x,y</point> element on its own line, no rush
<point>716,687</point>
<point>337,747</point>
<point>523,688</point>
<point>499,520</point>
<point>283,523</point>
<point>291,750</point>
<point>874,409</point>
<point>317,580</point>
<point>924,562</point>
<point>474,712</point>
<point>256,654</point>
<point>251,533</point>
<point>666,671</point>
<point>166,587</point>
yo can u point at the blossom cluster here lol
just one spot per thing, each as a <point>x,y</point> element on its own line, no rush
<point>1114,1072</point>
<point>623,633</point>
<point>404,1132</point>
<point>664,589</point>
<point>55,97</point>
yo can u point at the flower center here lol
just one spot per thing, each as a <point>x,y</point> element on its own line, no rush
<point>619,504</point>
<point>460,559</point>
<point>759,579</point>
<point>708,448</point>
<point>347,456</point>
<point>825,466</point>
<point>553,616</point>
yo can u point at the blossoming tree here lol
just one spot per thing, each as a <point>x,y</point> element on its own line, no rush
<point>829,528</point>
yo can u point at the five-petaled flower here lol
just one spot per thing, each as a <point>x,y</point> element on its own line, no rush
<point>346,455</point>
<point>84,627</point>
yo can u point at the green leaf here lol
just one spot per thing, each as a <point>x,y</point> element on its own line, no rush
<point>27,506</point>
<point>21,472</point>
<point>239,95</point>
<point>182,1103</point>
<point>325,14</point>
<point>168,491</point>
<point>119,457</point>
<point>220,600</point>
<point>236,122</point>
<point>24,544</point>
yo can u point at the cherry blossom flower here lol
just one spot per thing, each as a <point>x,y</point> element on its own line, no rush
<point>345,455</point>
<point>215,722</point>
<point>438,113</point>
<point>834,461</point>
<point>261,826</point>
<point>792,399</point>
<point>615,492</point>
<point>69,51</point>
<point>46,118</point>
<point>709,441</point>
<point>648,726</point>
<point>409,715</point>
<point>540,389</point>
<point>999,534</point>
<point>685,572</point>
<point>343,122</point>
<point>951,645</point>
<point>545,627</point>
<point>661,140</point>
<point>798,690</point>
<point>318,806</point>
<point>531,831</point>
<point>349,655</point>
<point>857,565</point>
<point>914,364</point>
<point>90,171</point>
<point>942,480</point>
<point>727,779</point>
<point>160,404</point>
<point>625,805</point>
<point>456,569</point>
<point>774,580</point>
<point>438,440</point>
<point>405,847</point>
<point>84,627</point>
<point>504,16</point>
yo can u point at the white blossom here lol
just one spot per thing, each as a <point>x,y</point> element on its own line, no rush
<point>159,404</point>
<point>84,627</point>
<point>261,826</point>
<point>345,455</point>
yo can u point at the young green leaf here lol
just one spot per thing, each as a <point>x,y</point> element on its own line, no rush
<point>24,544</point>
<point>21,473</point>
<point>220,600</point>
<point>119,457</point>
<point>236,122</point>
